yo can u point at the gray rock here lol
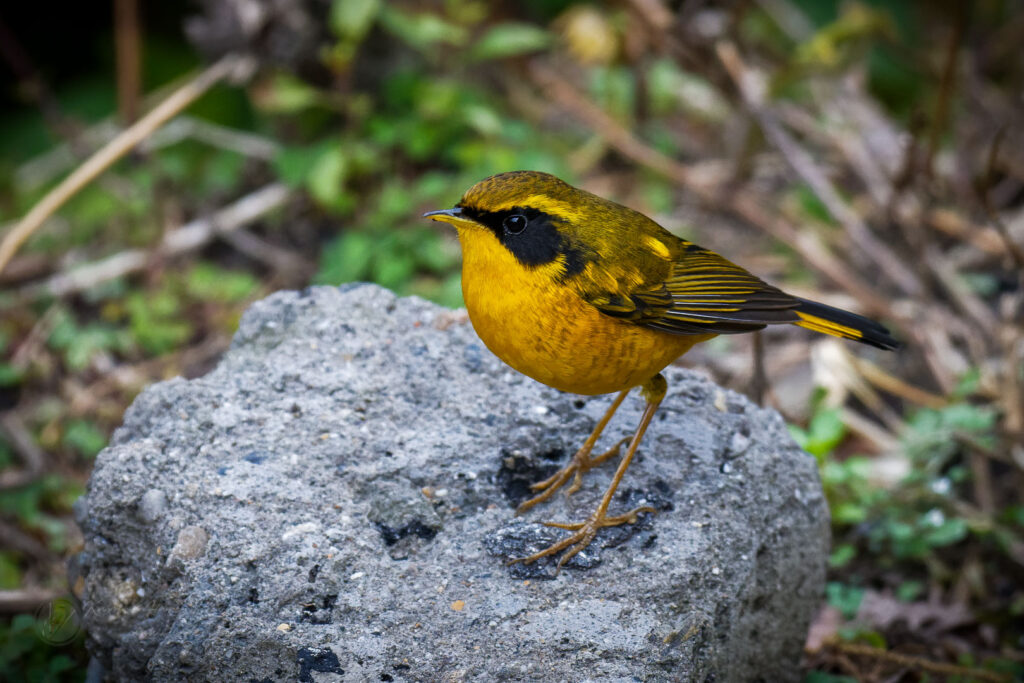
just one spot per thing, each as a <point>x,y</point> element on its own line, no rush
<point>335,502</point>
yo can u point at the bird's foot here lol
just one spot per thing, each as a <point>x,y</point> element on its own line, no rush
<point>584,534</point>
<point>580,464</point>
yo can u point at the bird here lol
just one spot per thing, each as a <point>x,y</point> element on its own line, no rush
<point>591,297</point>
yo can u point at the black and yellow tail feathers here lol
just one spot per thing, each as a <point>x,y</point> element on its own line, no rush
<point>840,323</point>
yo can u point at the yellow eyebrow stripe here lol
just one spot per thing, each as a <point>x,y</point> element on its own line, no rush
<point>553,207</point>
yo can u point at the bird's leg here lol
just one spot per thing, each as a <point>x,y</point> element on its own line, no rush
<point>654,392</point>
<point>580,463</point>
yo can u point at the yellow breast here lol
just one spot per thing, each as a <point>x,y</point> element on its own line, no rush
<point>547,332</point>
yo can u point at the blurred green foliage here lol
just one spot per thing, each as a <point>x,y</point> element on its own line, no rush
<point>24,657</point>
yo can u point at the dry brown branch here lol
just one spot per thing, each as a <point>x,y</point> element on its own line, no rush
<point>13,538</point>
<point>915,663</point>
<point>964,299</point>
<point>190,236</point>
<point>984,239</point>
<point>25,446</point>
<point>23,600</point>
<point>938,122</point>
<point>43,168</point>
<point>789,18</point>
<point>56,160</point>
<point>759,378</point>
<point>128,52</point>
<point>894,385</point>
<point>281,260</point>
<point>114,150</point>
<point>803,164</point>
<point>189,128</point>
<point>1015,251</point>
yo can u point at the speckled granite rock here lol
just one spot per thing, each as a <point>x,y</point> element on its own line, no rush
<point>334,502</point>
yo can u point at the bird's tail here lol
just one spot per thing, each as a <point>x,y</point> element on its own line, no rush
<point>840,323</point>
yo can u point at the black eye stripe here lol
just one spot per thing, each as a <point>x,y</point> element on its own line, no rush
<point>538,241</point>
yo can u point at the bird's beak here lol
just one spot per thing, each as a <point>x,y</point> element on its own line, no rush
<point>453,216</point>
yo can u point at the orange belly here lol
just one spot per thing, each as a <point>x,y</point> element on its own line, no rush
<point>547,332</point>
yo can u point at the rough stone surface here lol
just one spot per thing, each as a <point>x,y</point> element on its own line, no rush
<point>334,503</point>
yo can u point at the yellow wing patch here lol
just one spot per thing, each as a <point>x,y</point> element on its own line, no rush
<point>658,247</point>
<point>813,322</point>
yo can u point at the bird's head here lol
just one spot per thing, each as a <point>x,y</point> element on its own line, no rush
<point>537,217</point>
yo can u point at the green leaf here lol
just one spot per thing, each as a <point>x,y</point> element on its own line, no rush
<point>286,94</point>
<point>326,178</point>
<point>842,555</point>
<point>421,30</point>
<point>10,571</point>
<point>211,283</point>
<point>509,40</point>
<point>84,437</point>
<point>346,259</point>
<point>9,375</point>
<point>823,434</point>
<point>155,323</point>
<point>293,164</point>
<point>849,512</point>
<point>393,270</point>
<point>482,119</point>
<point>351,19</point>
<point>908,591</point>
<point>844,598</point>
<point>949,532</point>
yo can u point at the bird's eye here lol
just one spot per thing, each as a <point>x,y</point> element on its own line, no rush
<point>514,224</point>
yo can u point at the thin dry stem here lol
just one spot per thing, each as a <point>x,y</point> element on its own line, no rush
<point>113,151</point>
<point>190,236</point>
<point>801,161</point>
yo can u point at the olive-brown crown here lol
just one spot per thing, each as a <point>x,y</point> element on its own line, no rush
<point>517,188</point>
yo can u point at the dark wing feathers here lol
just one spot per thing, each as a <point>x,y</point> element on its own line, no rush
<point>703,293</point>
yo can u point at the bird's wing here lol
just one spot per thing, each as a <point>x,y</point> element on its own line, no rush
<point>699,292</point>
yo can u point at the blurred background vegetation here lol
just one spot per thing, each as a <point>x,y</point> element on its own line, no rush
<point>868,154</point>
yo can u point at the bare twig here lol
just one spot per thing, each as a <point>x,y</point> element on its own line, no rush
<point>984,239</point>
<point>26,599</point>
<point>804,165</point>
<point>759,378</point>
<point>1015,251</point>
<point>190,128</point>
<point>938,122</point>
<point>883,440</point>
<point>25,446</point>
<point>789,18</point>
<point>113,151</point>
<point>14,538</point>
<point>916,663</point>
<point>45,167</point>
<point>894,385</point>
<point>258,249</point>
<point>190,236</point>
<point>126,34</point>
<point>962,296</point>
